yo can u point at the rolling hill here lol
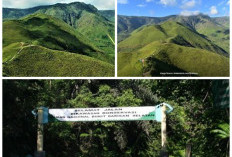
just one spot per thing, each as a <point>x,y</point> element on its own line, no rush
<point>168,31</point>
<point>168,48</point>
<point>127,24</point>
<point>22,59</point>
<point>48,34</point>
<point>85,18</point>
<point>47,31</point>
<point>214,29</point>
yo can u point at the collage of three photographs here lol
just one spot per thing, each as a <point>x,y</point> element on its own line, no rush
<point>115,78</point>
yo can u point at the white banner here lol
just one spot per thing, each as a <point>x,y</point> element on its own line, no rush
<point>104,114</point>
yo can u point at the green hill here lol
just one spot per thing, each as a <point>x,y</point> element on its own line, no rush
<point>214,29</point>
<point>168,31</point>
<point>85,18</point>
<point>109,14</point>
<point>167,59</point>
<point>127,24</point>
<point>47,31</point>
<point>170,47</point>
<point>224,21</point>
<point>53,34</point>
<point>32,60</point>
<point>13,13</point>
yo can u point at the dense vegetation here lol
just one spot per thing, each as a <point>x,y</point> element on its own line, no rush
<point>195,121</point>
<point>213,28</point>
<point>173,44</point>
<point>70,28</point>
<point>47,62</point>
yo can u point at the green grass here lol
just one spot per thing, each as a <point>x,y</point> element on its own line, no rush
<point>167,32</point>
<point>40,61</point>
<point>140,38</point>
<point>109,14</point>
<point>176,58</point>
<point>53,34</point>
<point>88,23</point>
<point>50,32</point>
<point>217,34</point>
<point>47,31</point>
<point>214,29</point>
<point>10,51</point>
<point>170,47</point>
<point>93,24</point>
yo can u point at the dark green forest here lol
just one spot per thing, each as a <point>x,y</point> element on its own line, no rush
<point>196,120</point>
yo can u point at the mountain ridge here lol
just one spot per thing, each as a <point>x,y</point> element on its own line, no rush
<point>170,47</point>
<point>85,18</point>
<point>41,61</point>
<point>203,24</point>
<point>69,29</point>
<point>169,31</point>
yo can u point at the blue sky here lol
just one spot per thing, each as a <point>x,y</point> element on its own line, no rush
<point>159,8</point>
<point>100,4</point>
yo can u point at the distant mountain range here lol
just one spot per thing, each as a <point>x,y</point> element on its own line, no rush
<point>77,30</point>
<point>156,46</point>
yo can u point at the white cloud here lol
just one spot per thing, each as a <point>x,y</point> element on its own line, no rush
<point>213,10</point>
<point>122,1</point>
<point>168,2</point>
<point>149,0</point>
<point>100,4</point>
<point>188,4</point>
<point>224,2</point>
<point>141,5</point>
<point>189,13</point>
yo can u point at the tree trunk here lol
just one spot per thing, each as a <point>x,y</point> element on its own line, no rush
<point>164,152</point>
<point>188,151</point>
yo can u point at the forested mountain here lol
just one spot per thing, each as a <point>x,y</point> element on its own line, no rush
<point>173,44</point>
<point>194,121</point>
<point>12,13</point>
<point>72,28</point>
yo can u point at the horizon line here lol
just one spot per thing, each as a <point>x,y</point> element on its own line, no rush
<point>54,4</point>
<point>171,15</point>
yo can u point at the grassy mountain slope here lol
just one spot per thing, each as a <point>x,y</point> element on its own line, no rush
<point>170,47</point>
<point>127,24</point>
<point>109,14</point>
<point>33,60</point>
<point>168,31</point>
<point>47,31</point>
<point>12,13</point>
<point>52,34</point>
<point>168,57</point>
<point>85,18</point>
<point>214,29</point>
<point>224,21</point>
<point>103,38</point>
